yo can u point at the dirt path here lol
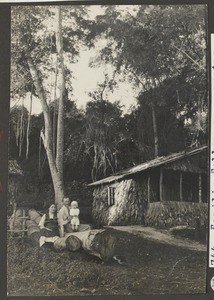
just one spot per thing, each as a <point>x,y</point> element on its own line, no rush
<point>161,236</point>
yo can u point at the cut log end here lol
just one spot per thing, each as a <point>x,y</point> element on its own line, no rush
<point>104,243</point>
<point>73,243</point>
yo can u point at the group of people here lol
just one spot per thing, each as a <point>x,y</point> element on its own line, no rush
<point>54,225</point>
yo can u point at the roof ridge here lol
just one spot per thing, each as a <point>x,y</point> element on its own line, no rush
<point>150,164</point>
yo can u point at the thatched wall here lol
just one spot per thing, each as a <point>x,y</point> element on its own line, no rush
<point>129,207</point>
<point>131,200</point>
<point>172,213</point>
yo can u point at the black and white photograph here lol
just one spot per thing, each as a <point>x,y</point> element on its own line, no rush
<point>108,181</point>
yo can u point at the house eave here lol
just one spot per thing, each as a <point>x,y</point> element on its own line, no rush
<point>159,161</point>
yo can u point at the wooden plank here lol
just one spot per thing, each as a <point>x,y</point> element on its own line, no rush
<point>14,213</point>
<point>181,186</point>
<point>148,186</point>
<point>23,221</point>
<point>109,196</point>
<point>199,188</point>
<point>17,230</point>
<point>161,185</point>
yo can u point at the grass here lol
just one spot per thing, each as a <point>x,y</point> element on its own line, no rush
<point>151,268</point>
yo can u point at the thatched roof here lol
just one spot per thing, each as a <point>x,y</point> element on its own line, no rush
<point>159,161</point>
<point>14,168</point>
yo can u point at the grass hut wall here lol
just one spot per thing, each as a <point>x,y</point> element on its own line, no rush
<point>164,192</point>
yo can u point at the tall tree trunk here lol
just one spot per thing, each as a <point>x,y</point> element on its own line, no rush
<point>17,131</point>
<point>47,134</point>
<point>54,113</point>
<point>155,131</point>
<point>28,124</point>
<point>61,81</point>
<point>154,119</point>
<point>55,165</point>
<point>21,130</point>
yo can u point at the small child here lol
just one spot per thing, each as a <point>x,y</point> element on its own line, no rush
<point>74,213</point>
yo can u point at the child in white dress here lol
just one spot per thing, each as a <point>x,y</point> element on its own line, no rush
<point>74,213</point>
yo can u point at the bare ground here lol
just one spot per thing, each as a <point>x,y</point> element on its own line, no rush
<point>151,267</point>
<point>161,236</point>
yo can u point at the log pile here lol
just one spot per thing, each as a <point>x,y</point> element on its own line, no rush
<point>17,222</point>
<point>100,243</point>
<point>34,216</point>
<point>33,231</point>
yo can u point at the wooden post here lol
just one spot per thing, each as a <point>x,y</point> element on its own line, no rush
<point>23,222</point>
<point>14,213</point>
<point>181,186</point>
<point>199,188</point>
<point>109,196</point>
<point>161,185</point>
<point>148,185</point>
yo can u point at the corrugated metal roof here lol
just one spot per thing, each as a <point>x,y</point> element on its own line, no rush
<point>149,164</point>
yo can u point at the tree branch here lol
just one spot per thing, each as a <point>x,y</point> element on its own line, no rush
<point>195,62</point>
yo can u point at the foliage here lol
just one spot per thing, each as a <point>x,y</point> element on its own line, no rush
<point>103,122</point>
<point>162,49</point>
<point>34,26</point>
<point>18,125</point>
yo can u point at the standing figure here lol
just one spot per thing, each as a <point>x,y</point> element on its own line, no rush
<point>74,213</point>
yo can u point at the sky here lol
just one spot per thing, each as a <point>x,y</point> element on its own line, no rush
<point>85,81</point>
<point>87,78</point>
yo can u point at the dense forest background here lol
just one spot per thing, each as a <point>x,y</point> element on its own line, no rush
<point>160,51</point>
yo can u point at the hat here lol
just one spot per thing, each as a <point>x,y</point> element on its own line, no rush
<point>74,202</point>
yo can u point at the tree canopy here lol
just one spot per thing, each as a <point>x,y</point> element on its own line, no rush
<point>159,50</point>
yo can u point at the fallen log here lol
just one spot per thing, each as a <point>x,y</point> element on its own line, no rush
<point>16,222</point>
<point>31,227</point>
<point>97,242</point>
<point>34,216</point>
<point>33,231</point>
<point>70,243</point>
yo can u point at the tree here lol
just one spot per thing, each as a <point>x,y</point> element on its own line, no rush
<point>55,164</point>
<point>103,121</point>
<point>40,47</point>
<point>27,59</point>
<point>18,125</point>
<point>152,45</point>
<point>29,125</point>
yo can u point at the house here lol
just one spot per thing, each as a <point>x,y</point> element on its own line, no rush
<point>164,192</point>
